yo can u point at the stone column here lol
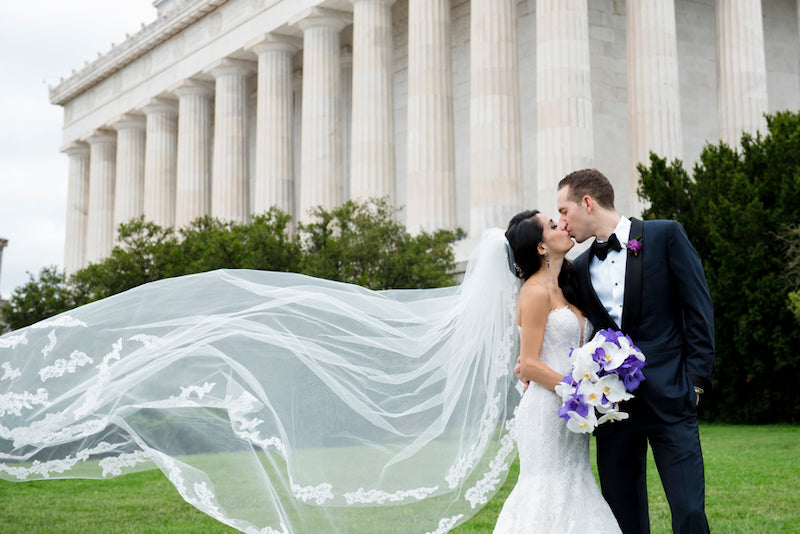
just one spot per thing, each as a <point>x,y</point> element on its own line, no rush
<point>274,173</point>
<point>160,161</point>
<point>347,117</point>
<point>193,176</point>
<point>297,124</point>
<point>229,182</point>
<point>654,108</point>
<point>100,221</point>
<point>431,179</point>
<point>495,142</point>
<point>741,69</point>
<point>372,164</point>
<point>129,188</point>
<point>563,95</point>
<point>321,180</point>
<point>77,207</point>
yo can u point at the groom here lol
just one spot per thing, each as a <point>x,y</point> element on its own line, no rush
<point>646,279</point>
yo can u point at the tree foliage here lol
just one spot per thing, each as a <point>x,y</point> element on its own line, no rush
<point>735,208</point>
<point>40,297</point>
<point>792,241</point>
<point>360,243</point>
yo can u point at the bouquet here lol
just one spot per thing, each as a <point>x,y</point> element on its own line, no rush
<point>604,372</point>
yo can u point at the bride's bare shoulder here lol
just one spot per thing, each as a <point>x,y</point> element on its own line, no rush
<point>533,297</point>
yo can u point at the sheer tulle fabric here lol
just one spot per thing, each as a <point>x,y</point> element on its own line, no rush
<point>278,402</point>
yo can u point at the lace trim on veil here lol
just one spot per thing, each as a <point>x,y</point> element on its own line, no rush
<point>276,402</point>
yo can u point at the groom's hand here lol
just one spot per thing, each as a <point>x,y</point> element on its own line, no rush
<point>518,372</point>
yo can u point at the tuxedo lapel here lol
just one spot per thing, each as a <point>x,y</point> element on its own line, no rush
<point>600,317</point>
<point>632,302</point>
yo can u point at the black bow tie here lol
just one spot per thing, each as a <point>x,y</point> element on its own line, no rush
<point>601,249</point>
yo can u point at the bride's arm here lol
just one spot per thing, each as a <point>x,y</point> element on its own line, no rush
<point>533,307</point>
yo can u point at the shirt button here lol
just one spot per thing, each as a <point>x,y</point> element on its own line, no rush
<point>616,283</point>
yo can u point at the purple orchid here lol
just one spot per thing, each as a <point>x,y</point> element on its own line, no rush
<point>574,404</point>
<point>634,245</point>
<point>611,335</point>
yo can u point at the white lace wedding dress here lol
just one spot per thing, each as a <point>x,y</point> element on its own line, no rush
<point>556,491</point>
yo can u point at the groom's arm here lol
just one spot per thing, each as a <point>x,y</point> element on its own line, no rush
<point>688,277</point>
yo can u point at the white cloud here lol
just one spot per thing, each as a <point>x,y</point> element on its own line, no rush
<point>41,41</point>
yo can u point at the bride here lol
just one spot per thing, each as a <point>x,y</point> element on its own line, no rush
<point>556,491</point>
<point>280,403</point>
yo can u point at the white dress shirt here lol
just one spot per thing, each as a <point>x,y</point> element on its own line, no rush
<point>608,277</point>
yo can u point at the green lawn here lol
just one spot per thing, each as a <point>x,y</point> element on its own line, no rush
<point>752,486</point>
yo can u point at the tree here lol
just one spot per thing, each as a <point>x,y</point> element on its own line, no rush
<point>792,241</point>
<point>362,243</point>
<point>264,243</point>
<point>144,252</point>
<point>40,297</point>
<point>734,208</point>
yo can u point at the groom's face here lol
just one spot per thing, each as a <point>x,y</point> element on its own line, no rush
<point>573,216</point>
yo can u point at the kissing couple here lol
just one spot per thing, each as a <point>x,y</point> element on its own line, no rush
<point>646,280</point>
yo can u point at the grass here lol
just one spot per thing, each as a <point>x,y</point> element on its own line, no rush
<point>752,486</point>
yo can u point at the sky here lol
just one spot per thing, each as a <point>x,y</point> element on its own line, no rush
<point>40,42</point>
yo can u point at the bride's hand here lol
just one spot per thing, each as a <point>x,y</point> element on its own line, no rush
<point>518,372</point>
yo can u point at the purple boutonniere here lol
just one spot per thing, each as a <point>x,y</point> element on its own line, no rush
<point>634,245</point>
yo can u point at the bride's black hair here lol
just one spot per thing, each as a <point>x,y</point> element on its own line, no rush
<point>524,234</point>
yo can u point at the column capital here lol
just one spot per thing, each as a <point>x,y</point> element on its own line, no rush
<point>319,16</point>
<point>161,105</point>
<point>191,86</point>
<point>228,66</point>
<point>129,120</point>
<point>102,136</point>
<point>75,148</point>
<point>275,42</point>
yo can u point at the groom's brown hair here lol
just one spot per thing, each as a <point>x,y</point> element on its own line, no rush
<point>589,182</point>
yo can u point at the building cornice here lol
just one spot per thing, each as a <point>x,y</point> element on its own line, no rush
<point>129,50</point>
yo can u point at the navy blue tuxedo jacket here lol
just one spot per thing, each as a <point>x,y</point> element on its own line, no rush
<point>666,311</point>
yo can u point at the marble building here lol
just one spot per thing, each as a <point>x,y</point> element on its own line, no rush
<point>461,111</point>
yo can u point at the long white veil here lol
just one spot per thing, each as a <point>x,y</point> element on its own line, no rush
<point>277,402</point>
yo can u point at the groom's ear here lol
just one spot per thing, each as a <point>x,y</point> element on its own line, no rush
<point>588,202</point>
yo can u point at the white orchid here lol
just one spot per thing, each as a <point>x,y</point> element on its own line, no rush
<point>613,388</point>
<point>614,356</point>
<point>580,424</point>
<point>583,365</point>
<point>592,393</point>
<point>565,390</point>
<point>612,415</point>
<point>630,349</point>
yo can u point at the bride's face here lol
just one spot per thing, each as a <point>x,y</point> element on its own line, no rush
<point>557,239</point>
